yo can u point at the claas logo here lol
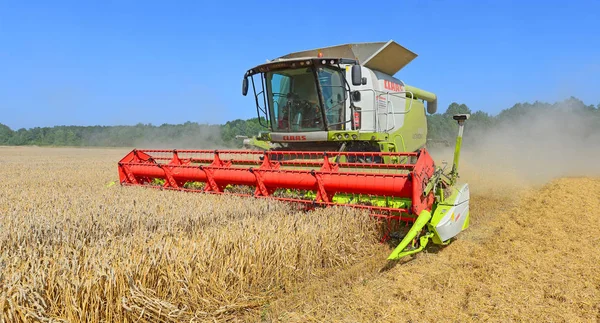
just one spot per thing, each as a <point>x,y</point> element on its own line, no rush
<point>389,85</point>
<point>294,138</point>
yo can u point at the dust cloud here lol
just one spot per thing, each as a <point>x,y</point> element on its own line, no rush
<point>203,137</point>
<point>532,149</point>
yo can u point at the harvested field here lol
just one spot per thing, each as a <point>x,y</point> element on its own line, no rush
<point>75,248</point>
<point>536,263</point>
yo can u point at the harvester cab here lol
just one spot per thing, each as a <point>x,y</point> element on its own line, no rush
<point>341,98</point>
<point>342,131</point>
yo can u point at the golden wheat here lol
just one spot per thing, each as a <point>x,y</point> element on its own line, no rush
<point>74,249</point>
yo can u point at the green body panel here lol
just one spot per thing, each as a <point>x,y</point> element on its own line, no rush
<point>457,153</point>
<point>419,224</point>
<point>454,172</point>
<point>256,143</point>
<point>421,94</point>
<point>466,224</point>
<point>423,241</point>
<point>393,202</point>
<point>412,136</point>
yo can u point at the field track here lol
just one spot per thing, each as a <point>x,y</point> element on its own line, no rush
<point>75,248</point>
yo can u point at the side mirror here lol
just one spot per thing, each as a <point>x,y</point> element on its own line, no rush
<point>357,78</point>
<point>245,86</point>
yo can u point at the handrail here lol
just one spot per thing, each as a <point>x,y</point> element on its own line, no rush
<point>388,112</point>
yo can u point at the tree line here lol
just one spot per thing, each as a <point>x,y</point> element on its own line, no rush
<point>441,127</point>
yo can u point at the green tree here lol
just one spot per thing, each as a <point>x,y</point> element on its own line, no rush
<point>194,135</point>
<point>442,126</point>
<point>5,134</point>
<point>249,128</point>
<point>455,108</point>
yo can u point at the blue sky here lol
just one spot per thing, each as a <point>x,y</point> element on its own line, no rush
<point>124,62</point>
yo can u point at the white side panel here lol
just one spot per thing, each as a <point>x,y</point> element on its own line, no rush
<point>383,101</point>
<point>452,223</point>
<point>392,102</point>
<point>367,100</point>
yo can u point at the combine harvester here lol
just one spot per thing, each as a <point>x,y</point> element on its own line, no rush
<point>341,131</point>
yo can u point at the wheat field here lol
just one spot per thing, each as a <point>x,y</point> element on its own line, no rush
<point>75,248</point>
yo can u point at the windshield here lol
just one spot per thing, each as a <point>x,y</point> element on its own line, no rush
<point>293,100</point>
<point>294,103</point>
<point>334,96</point>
